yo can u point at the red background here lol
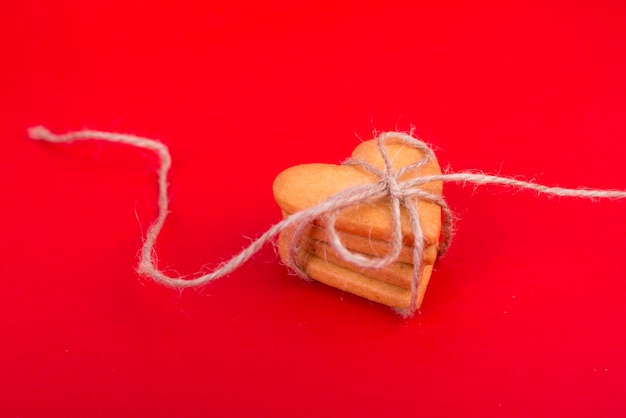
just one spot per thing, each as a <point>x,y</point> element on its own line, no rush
<point>524,317</point>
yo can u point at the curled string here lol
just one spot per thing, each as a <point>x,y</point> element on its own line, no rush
<point>400,193</point>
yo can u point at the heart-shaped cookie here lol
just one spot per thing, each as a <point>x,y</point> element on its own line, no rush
<point>302,186</point>
<point>371,246</point>
<point>359,282</point>
<point>366,228</point>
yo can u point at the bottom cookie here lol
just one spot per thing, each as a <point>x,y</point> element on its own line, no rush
<point>354,282</point>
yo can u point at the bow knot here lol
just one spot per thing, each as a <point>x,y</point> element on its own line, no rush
<point>394,189</point>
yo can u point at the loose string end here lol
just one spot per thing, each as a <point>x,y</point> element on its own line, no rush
<point>40,133</point>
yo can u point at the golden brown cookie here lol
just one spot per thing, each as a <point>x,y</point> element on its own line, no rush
<point>358,283</point>
<point>373,247</point>
<point>366,228</point>
<point>397,273</point>
<point>300,187</point>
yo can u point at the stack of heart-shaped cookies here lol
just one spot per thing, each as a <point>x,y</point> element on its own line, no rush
<point>365,228</point>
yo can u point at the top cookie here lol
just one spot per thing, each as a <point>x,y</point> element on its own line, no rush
<point>300,187</point>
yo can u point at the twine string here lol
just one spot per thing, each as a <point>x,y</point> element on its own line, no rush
<point>399,193</point>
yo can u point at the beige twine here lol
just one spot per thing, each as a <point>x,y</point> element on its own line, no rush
<point>400,194</point>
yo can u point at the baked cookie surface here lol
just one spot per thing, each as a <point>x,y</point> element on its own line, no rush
<point>365,228</point>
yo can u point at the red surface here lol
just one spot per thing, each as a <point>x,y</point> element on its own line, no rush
<point>524,317</point>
